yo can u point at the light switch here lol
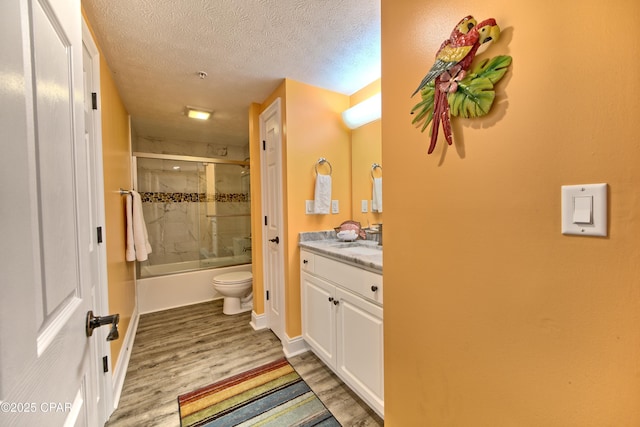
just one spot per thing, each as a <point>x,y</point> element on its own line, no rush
<point>584,209</point>
<point>308,207</point>
<point>364,205</point>
<point>335,207</point>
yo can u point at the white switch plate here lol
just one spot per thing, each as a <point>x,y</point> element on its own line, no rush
<point>579,222</point>
<point>308,206</point>
<point>365,206</point>
<point>335,207</point>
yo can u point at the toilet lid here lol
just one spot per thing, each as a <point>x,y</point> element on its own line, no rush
<point>234,277</point>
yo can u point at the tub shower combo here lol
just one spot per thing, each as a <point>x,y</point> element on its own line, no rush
<point>198,217</point>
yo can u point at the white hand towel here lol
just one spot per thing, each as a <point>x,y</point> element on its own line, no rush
<point>376,204</point>
<point>130,253</point>
<point>322,202</point>
<point>140,236</point>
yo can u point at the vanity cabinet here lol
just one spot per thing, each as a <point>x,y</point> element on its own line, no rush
<point>342,322</point>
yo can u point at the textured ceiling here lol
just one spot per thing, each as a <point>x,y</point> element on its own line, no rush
<point>155,49</point>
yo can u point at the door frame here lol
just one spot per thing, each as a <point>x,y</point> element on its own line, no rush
<point>266,267</point>
<point>100,348</point>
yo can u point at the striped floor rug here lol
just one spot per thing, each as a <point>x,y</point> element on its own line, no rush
<point>270,395</point>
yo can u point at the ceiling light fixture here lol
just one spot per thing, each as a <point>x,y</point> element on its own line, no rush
<point>198,113</point>
<point>364,112</point>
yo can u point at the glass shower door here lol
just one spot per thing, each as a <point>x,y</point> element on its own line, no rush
<point>227,215</point>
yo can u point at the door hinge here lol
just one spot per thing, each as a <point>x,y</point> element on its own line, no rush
<point>265,220</point>
<point>94,100</point>
<point>99,231</point>
<point>267,295</point>
<point>264,145</point>
<point>105,364</point>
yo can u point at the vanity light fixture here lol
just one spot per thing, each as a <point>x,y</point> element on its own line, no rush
<point>198,113</point>
<point>365,112</point>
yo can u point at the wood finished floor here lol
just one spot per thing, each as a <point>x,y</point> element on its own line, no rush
<point>179,350</point>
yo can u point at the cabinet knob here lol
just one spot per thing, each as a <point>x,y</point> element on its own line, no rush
<point>330,299</point>
<point>374,288</point>
<point>336,302</point>
<point>305,261</point>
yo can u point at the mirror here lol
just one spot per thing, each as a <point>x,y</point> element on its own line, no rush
<point>366,149</point>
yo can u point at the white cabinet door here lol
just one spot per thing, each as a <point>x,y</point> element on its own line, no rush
<point>318,317</point>
<point>360,347</point>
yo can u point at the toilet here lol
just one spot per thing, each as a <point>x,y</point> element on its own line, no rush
<point>236,288</point>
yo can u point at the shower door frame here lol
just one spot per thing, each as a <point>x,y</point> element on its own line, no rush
<point>177,157</point>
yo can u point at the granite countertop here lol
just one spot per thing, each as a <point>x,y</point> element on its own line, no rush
<point>365,254</point>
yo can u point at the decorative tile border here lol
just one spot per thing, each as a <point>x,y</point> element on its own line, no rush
<point>157,197</point>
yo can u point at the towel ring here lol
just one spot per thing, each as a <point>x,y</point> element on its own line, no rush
<point>374,167</point>
<point>322,160</point>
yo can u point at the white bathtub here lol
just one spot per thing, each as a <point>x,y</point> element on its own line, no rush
<point>163,289</point>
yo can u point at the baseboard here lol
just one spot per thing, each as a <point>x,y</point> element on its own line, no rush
<point>258,321</point>
<point>290,346</point>
<point>123,358</point>
<point>294,346</point>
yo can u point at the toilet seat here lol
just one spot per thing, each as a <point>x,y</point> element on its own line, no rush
<point>233,278</point>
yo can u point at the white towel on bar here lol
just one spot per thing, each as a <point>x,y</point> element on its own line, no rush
<point>376,204</point>
<point>136,229</point>
<point>130,252</point>
<point>322,202</point>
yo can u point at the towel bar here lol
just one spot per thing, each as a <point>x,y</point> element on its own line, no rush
<point>123,192</point>
<point>322,160</point>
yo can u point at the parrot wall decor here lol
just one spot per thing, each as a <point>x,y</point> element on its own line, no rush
<point>452,86</point>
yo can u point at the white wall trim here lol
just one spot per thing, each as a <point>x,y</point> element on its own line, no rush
<point>294,346</point>
<point>120,370</point>
<point>258,321</point>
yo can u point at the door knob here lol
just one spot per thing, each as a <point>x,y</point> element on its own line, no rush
<point>275,240</point>
<point>97,321</point>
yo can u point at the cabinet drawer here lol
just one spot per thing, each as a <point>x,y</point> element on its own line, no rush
<point>306,261</point>
<point>372,286</point>
<point>362,282</point>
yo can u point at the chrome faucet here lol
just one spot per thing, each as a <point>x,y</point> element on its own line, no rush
<point>378,232</point>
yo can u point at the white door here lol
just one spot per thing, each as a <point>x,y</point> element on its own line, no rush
<point>273,240</point>
<point>97,247</point>
<point>45,356</point>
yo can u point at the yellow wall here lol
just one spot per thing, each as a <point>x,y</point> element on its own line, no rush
<point>492,316</point>
<point>366,149</point>
<point>312,128</point>
<point>117,174</point>
<point>255,145</point>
